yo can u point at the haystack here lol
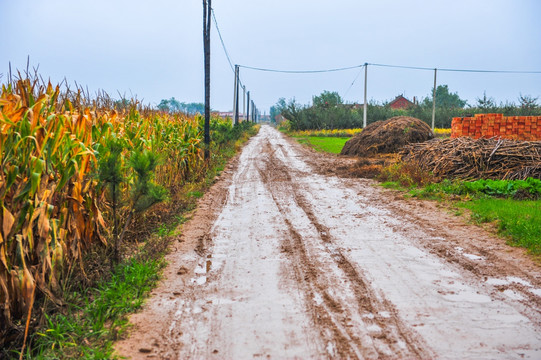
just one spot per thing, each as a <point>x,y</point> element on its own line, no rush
<point>388,136</point>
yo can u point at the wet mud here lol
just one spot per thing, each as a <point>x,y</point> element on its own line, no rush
<point>283,259</point>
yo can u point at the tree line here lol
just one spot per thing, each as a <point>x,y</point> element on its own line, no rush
<point>174,106</point>
<point>328,110</point>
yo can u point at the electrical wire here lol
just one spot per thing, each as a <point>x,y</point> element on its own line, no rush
<point>222,41</point>
<point>301,71</point>
<point>353,82</point>
<point>456,70</point>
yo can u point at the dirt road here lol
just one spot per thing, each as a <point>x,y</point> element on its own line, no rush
<point>285,261</point>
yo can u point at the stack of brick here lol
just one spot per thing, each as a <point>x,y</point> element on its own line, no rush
<point>526,128</point>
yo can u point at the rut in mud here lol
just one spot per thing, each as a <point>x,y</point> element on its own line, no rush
<point>282,262</point>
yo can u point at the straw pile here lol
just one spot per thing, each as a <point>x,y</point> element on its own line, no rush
<point>467,158</point>
<point>388,136</point>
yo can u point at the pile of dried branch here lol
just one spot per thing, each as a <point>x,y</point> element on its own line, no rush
<point>467,158</point>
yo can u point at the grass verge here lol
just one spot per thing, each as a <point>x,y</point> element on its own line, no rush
<point>518,220</point>
<point>328,144</point>
<point>93,318</point>
<point>513,206</point>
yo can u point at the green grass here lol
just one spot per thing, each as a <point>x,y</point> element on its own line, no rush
<point>519,220</point>
<point>93,320</point>
<point>394,185</point>
<point>324,143</point>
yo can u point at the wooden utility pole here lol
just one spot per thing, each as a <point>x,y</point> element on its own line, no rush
<point>236,97</point>
<point>365,106</point>
<point>434,100</point>
<point>245,114</point>
<point>207,8</point>
<point>248,106</point>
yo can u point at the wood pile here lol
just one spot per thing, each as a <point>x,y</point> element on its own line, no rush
<point>467,158</point>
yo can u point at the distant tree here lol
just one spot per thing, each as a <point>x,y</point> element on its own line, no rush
<point>445,99</point>
<point>528,105</point>
<point>122,104</point>
<point>164,105</point>
<point>327,99</point>
<point>277,109</point>
<point>273,113</point>
<point>281,104</point>
<point>528,102</point>
<point>173,105</point>
<point>193,108</point>
<point>486,103</point>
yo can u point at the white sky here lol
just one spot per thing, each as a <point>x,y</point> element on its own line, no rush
<point>153,49</point>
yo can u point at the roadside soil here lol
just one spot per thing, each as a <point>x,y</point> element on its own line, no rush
<point>287,257</point>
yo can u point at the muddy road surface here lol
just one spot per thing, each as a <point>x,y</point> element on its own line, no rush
<point>284,260</point>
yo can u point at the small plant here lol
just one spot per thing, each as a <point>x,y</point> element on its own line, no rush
<point>195,194</point>
<point>110,174</point>
<point>406,175</point>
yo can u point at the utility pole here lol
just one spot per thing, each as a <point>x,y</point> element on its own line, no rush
<point>434,100</point>
<point>236,96</point>
<point>207,8</point>
<point>365,106</point>
<point>248,107</point>
<point>245,114</point>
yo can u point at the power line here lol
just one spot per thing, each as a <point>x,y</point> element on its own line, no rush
<point>354,80</point>
<point>301,71</point>
<point>457,70</point>
<point>222,41</point>
<point>223,45</point>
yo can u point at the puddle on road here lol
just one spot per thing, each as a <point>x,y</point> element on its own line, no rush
<point>331,349</point>
<point>513,295</point>
<point>373,328</point>
<point>469,256</point>
<point>468,297</point>
<point>497,282</point>
<point>318,298</point>
<point>473,257</point>
<point>200,280</point>
<point>202,269</point>
<point>513,279</point>
<point>519,281</point>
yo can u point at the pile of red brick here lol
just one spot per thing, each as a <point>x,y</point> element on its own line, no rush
<point>496,125</point>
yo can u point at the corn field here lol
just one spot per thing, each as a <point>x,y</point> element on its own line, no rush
<point>73,173</point>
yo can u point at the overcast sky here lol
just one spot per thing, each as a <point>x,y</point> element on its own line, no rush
<point>153,49</point>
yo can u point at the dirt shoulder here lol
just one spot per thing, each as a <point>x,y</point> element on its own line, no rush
<point>146,334</point>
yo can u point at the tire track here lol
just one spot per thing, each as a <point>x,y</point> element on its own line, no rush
<point>369,327</point>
